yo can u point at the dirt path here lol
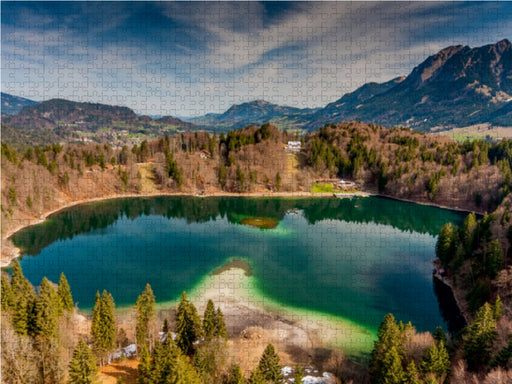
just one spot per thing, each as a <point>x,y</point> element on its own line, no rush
<point>148,182</point>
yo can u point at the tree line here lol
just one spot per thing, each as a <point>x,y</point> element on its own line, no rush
<point>37,346</point>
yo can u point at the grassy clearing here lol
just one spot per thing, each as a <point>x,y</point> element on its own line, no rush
<point>322,188</point>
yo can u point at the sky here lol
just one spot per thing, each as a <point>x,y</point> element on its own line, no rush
<point>193,58</point>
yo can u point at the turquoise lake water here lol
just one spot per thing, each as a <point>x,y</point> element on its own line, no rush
<point>357,259</point>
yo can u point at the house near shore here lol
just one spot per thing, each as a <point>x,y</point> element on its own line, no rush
<point>346,184</point>
<point>293,146</point>
<point>204,154</point>
<point>337,183</point>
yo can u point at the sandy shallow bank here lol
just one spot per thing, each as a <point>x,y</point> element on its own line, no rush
<point>246,311</point>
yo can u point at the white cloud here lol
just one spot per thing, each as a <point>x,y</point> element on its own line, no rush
<point>215,54</point>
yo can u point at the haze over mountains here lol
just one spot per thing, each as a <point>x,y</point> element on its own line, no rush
<point>459,86</point>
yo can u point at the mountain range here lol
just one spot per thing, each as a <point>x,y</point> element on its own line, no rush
<point>458,86</point>
<point>13,104</point>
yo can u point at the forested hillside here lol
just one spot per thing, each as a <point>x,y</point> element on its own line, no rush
<point>399,163</point>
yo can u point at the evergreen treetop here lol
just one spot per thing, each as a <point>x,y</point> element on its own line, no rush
<point>82,367</point>
<point>270,366</point>
<point>145,307</point>
<point>47,310</point>
<point>188,325</point>
<point>64,292</point>
<point>103,328</point>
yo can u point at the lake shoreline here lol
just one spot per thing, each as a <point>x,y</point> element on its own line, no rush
<point>11,252</point>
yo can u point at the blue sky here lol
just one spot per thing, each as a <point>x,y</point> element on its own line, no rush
<point>192,58</point>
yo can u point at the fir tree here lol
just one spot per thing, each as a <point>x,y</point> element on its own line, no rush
<point>257,377</point>
<point>299,375</point>
<point>439,335</point>
<point>165,327</point>
<point>18,279</point>
<point>220,325</point>
<point>82,367</point>
<point>170,366</point>
<point>446,243</point>
<point>47,310</point>
<point>467,233</point>
<point>144,368</point>
<point>270,366</point>
<point>20,318</point>
<point>480,338</point>
<point>411,375</point>
<point>24,298</point>
<point>7,295</point>
<point>493,259</point>
<point>382,360</point>
<point>145,313</point>
<point>436,360</point>
<point>209,321</point>
<point>188,325</point>
<point>392,372</point>
<point>103,328</point>
<point>64,292</point>
<point>236,375</point>
<point>498,308</point>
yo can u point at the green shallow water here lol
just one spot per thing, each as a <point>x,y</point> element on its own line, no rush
<point>353,259</point>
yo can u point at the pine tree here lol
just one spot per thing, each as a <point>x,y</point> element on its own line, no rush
<point>82,367</point>
<point>145,315</point>
<point>20,318</point>
<point>411,374</point>
<point>436,360</point>
<point>209,321</point>
<point>299,375</point>
<point>144,368</point>
<point>188,325</point>
<point>467,233</point>
<point>64,292</point>
<point>257,377</point>
<point>220,325</point>
<point>278,182</point>
<point>18,279</point>
<point>392,372</point>
<point>236,375</point>
<point>446,243</point>
<point>7,295</point>
<point>270,366</point>
<point>103,328</point>
<point>170,366</point>
<point>24,298</point>
<point>480,338</point>
<point>493,259</point>
<point>47,310</point>
<point>382,360</point>
<point>498,308</point>
<point>439,335</point>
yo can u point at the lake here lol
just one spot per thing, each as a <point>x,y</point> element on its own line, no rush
<point>357,259</point>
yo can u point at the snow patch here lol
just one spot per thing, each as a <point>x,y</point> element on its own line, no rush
<point>129,351</point>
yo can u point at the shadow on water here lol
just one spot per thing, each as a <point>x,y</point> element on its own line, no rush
<point>94,216</point>
<point>448,307</point>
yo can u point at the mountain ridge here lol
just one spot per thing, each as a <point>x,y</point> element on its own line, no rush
<point>13,104</point>
<point>72,121</point>
<point>455,87</point>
